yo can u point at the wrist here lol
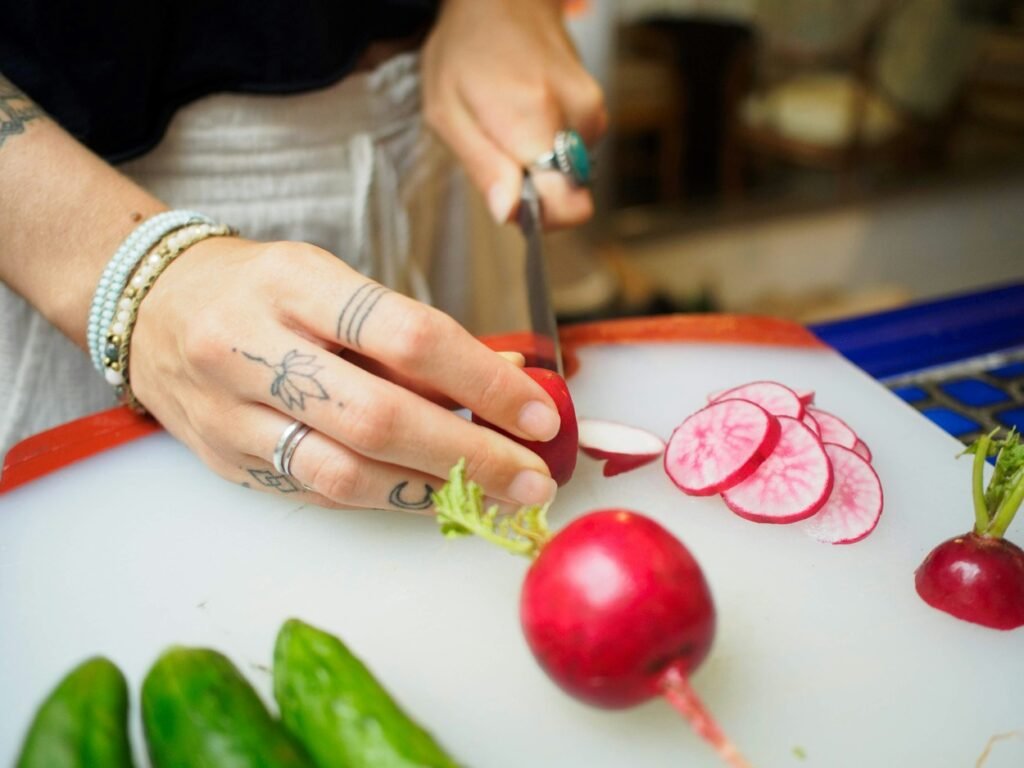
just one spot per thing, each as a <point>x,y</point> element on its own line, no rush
<point>139,262</point>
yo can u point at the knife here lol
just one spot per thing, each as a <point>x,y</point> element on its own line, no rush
<point>548,353</point>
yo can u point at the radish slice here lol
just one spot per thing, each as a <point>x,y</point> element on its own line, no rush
<point>792,484</point>
<point>806,396</point>
<point>720,446</point>
<point>622,447</point>
<point>777,399</point>
<point>862,450</point>
<point>812,424</point>
<point>855,504</point>
<point>833,429</point>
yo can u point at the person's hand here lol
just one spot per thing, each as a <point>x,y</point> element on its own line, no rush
<point>237,339</point>
<point>500,78</point>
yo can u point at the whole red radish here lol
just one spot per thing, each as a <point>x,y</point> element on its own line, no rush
<point>979,577</point>
<point>611,602</point>
<point>975,578</point>
<point>559,453</point>
<point>615,608</point>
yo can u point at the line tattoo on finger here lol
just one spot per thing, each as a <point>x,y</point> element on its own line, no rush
<point>395,498</point>
<point>356,310</point>
<point>294,378</point>
<point>268,479</point>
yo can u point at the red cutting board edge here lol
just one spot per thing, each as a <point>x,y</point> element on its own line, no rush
<point>61,446</point>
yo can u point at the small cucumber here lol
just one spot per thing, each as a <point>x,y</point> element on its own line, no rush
<point>199,712</point>
<point>83,723</point>
<point>332,703</point>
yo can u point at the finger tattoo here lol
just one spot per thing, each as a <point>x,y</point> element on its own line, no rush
<point>294,378</point>
<point>395,499</point>
<point>268,479</point>
<point>356,310</point>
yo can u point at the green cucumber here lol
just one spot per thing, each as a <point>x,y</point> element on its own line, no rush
<point>83,723</point>
<point>199,712</point>
<point>332,703</point>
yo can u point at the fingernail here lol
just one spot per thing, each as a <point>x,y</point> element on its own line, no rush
<point>531,487</point>
<point>504,507</point>
<point>516,358</point>
<point>500,200</point>
<point>539,421</point>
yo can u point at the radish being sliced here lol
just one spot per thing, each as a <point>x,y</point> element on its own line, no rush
<point>777,399</point>
<point>862,450</point>
<point>833,429</point>
<point>855,503</point>
<point>621,446</point>
<point>792,484</point>
<point>812,424</point>
<point>719,446</point>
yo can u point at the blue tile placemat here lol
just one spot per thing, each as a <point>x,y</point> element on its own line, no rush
<point>970,397</point>
<point>959,361</point>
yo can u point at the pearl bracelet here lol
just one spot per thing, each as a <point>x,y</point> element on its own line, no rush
<point>124,261</point>
<point>118,337</point>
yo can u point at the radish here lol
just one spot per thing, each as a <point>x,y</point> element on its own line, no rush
<point>862,450</point>
<point>806,396</point>
<point>622,447</point>
<point>811,423</point>
<point>777,399</point>
<point>614,608</point>
<point>719,446</point>
<point>854,506</point>
<point>793,482</point>
<point>979,577</point>
<point>833,429</point>
<point>559,453</point>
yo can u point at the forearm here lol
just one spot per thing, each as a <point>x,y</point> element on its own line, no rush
<point>63,213</point>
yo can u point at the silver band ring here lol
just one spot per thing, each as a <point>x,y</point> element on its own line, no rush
<point>290,450</point>
<point>289,440</point>
<point>568,156</point>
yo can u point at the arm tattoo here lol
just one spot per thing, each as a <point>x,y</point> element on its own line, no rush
<point>16,109</point>
<point>268,479</point>
<point>358,307</point>
<point>294,378</point>
<point>395,499</point>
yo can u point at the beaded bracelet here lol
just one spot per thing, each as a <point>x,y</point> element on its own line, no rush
<point>118,338</point>
<point>125,260</point>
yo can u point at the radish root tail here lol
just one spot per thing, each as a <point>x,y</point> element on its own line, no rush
<point>684,700</point>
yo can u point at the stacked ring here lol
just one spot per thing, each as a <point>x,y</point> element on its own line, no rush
<point>289,440</point>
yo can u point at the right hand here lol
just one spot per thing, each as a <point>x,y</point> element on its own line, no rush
<point>237,339</point>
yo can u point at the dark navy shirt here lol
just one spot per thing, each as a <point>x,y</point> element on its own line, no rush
<point>113,72</point>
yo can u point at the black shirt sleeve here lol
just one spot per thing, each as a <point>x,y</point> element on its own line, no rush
<point>114,72</point>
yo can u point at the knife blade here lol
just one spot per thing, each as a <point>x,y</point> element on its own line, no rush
<point>538,292</point>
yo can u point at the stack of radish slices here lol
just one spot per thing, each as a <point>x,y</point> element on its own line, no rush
<point>776,459</point>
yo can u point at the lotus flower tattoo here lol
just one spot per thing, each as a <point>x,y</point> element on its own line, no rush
<point>294,379</point>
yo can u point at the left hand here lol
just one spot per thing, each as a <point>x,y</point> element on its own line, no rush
<point>500,78</point>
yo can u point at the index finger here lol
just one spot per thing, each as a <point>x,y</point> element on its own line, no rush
<point>419,343</point>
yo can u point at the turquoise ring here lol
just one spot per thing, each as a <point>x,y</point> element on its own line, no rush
<point>569,156</point>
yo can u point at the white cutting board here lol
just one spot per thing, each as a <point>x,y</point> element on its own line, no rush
<point>821,650</point>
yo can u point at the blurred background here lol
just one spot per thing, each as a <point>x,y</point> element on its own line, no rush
<point>809,159</point>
